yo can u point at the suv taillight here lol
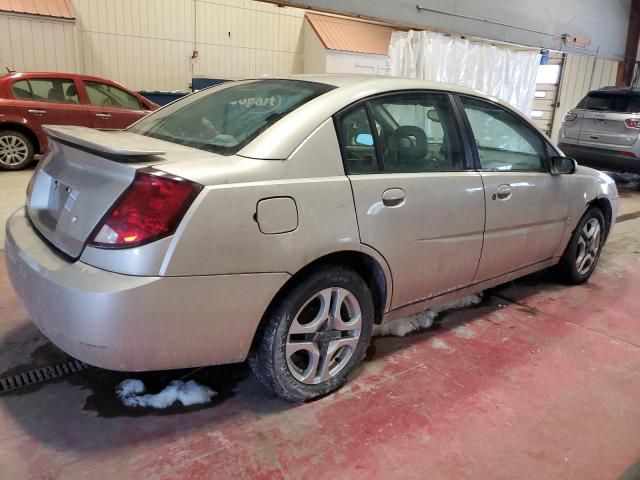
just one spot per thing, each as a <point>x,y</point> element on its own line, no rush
<point>569,117</point>
<point>632,123</point>
<point>150,209</point>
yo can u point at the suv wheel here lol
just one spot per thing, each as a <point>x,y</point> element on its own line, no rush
<point>16,150</point>
<point>315,336</point>
<point>581,256</point>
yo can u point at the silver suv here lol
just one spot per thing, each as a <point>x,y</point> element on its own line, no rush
<point>602,130</point>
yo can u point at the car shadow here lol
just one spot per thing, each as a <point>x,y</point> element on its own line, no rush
<point>81,413</point>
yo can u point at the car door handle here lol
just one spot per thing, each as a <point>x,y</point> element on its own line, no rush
<point>103,115</point>
<point>37,112</point>
<point>503,192</point>
<point>393,197</point>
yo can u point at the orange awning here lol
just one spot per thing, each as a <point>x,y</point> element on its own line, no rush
<point>337,33</point>
<point>45,8</point>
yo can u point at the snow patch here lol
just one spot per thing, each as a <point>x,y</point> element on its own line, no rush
<point>132,394</point>
<point>439,344</point>
<point>463,332</point>
<point>422,320</point>
<point>403,326</point>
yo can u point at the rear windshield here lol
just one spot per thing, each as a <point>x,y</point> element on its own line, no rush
<point>223,121</point>
<point>611,102</point>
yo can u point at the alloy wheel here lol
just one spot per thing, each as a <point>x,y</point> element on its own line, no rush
<point>588,246</point>
<point>13,150</point>
<point>323,335</point>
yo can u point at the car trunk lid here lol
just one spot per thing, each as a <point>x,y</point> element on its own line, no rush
<point>608,128</point>
<point>83,175</point>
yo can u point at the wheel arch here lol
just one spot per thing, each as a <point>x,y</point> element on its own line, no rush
<point>374,271</point>
<point>30,134</point>
<point>604,205</point>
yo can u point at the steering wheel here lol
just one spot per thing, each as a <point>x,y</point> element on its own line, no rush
<point>109,102</point>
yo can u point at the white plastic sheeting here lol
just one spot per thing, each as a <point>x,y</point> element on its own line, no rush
<point>507,74</point>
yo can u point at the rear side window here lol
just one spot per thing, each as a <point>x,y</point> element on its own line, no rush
<point>418,133</point>
<point>58,90</point>
<point>358,142</point>
<point>225,120</point>
<point>610,102</point>
<point>105,95</point>
<point>22,90</point>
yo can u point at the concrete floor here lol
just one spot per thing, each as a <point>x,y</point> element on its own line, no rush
<point>539,381</point>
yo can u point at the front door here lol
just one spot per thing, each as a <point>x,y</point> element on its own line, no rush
<point>112,107</point>
<point>417,200</point>
<point>527,207</point>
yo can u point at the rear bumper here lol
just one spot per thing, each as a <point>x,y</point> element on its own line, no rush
<point>601,158</point>
<point>130,323</point>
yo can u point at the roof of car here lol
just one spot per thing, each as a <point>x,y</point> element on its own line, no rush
<point>384,83</point>
<point>617,90</point>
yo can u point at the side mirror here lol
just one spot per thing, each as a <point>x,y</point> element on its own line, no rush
<point>364,139</point>
<point>563,165</point>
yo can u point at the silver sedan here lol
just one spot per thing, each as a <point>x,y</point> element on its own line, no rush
<point>279,219</point>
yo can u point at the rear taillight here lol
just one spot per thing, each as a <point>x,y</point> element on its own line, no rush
<point>569,117</point>
<point>632,123</point>
<point>627,154</point>
<point>151,208</point>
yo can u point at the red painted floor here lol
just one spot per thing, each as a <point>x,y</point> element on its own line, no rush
<point>541,381</point>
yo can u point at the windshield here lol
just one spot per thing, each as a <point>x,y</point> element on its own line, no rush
<point>223,121</point>
<point>611,102</point>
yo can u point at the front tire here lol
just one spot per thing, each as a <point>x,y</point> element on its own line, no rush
<point>315,335</point>
<point>583,252</point>
<point>16,150</point>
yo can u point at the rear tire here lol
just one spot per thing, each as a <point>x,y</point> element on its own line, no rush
<point>315,335</point>
<point>583,252</point>
<point>16,150</point>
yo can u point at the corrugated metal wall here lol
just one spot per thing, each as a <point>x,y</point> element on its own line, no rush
<point>244,38</point>
<point>144,44</point>
<point>148,44</point>
<point>580,74</point>
<point>37,43</point>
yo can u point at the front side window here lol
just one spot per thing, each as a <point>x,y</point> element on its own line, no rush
<point>58,90</point>
<point>105,95</point>
<point>504,142</point>
<point>418,133</point>
<point>225,120</point>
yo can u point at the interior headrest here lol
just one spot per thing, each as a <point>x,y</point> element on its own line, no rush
<point>410,142</point>
<point>72,91</point>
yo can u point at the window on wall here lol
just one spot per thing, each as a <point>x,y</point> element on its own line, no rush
<point>58,90</point>
<point>504,142</point>
<point>358,142</point>
<point>418,133</point>
<point>105,95</point>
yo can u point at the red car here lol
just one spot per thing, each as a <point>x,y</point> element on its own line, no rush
<point>30,100</point>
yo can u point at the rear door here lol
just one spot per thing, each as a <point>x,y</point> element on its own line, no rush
<point>112,107</point>
<point>50,101</point>
<point>526,206</point>
<point>418,202</point>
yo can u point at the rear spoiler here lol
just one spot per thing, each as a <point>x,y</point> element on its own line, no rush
<point>113,142</point>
